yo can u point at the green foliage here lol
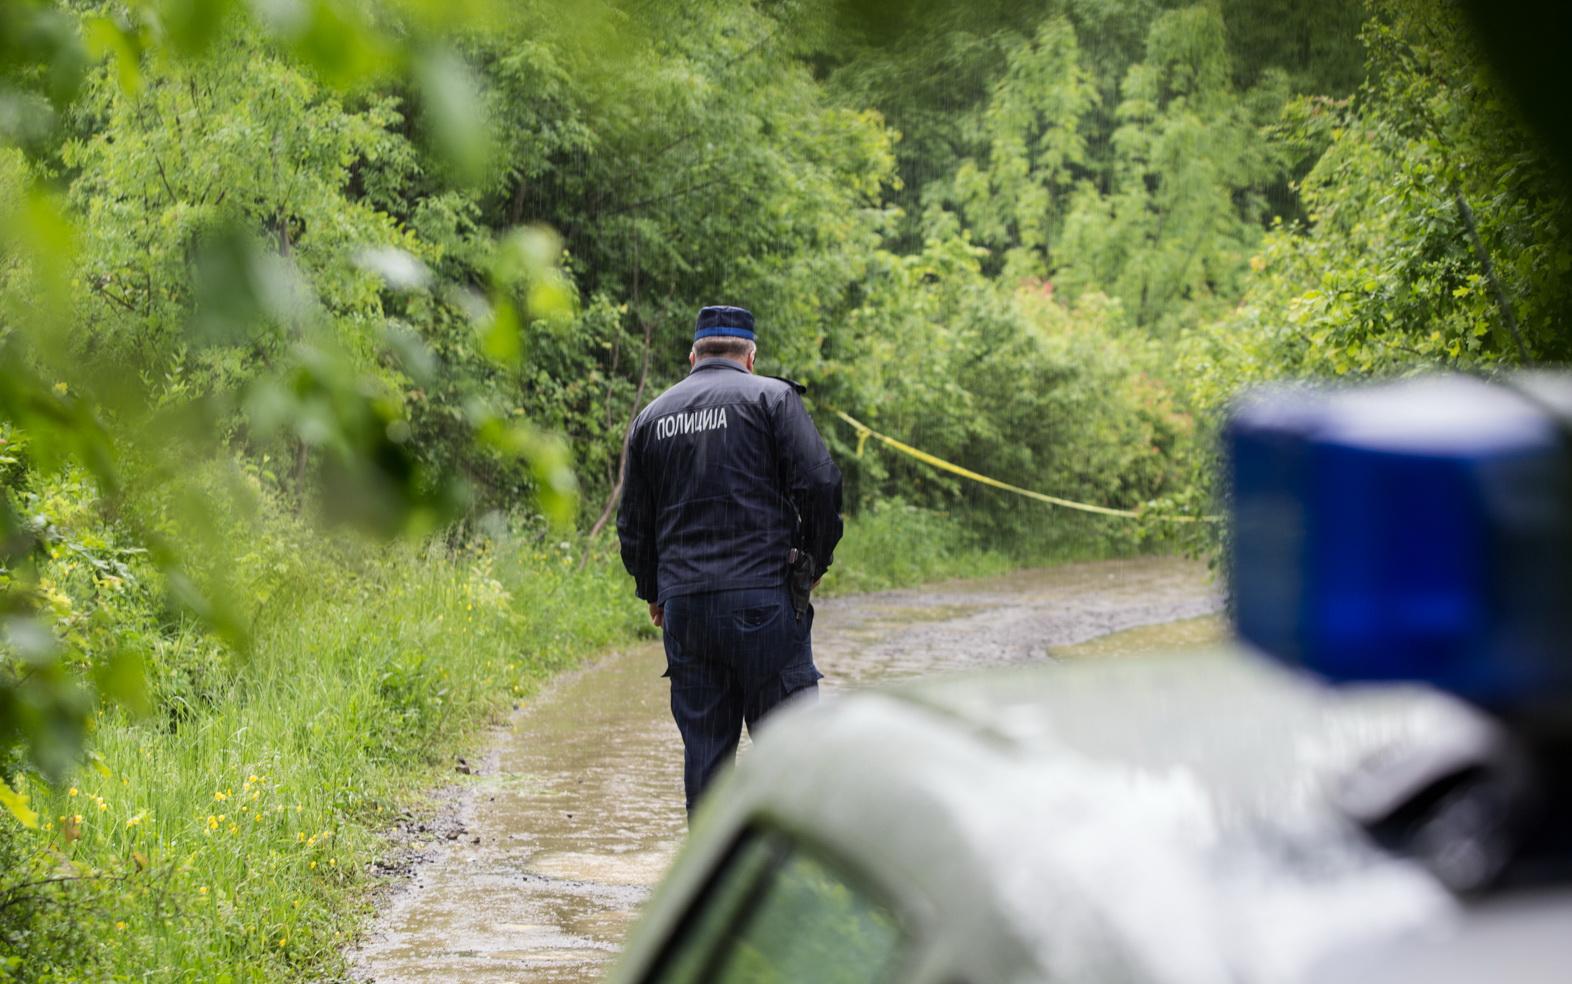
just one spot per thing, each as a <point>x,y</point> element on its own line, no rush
<point>1033,127</point>
<point>228,830</point>
<point>271,269</point>
<point>190,273</point>
<point>1007,383</point>
<point>1168,230</point>
<point>1436,235</point>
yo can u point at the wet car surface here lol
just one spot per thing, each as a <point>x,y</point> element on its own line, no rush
<point>1164,820</point>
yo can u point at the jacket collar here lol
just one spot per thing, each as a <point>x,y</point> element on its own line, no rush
<point>716,362</point>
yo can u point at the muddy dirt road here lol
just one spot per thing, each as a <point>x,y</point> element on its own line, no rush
<point>538,867</point>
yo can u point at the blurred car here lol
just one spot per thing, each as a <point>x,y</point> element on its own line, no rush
<point>1215,818</point>
<point>1159,820</point>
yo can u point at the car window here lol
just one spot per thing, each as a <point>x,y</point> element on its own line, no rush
<point>703,933</point>
<point>777,913</point>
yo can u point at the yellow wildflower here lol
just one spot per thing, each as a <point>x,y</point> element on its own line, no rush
<point>220,796</point>
<point>313,865</point>
<point>120,924</point>
<point>72,791</point>
<point>202,890</point>
<point>134,821</point>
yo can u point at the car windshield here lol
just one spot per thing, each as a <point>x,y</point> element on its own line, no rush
<point>777,911</point>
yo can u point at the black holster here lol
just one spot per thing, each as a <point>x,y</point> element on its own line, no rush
<point>799,579</point>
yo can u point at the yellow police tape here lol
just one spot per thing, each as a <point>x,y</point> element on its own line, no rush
<point>864,432</point>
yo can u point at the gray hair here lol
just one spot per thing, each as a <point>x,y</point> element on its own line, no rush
<point>724,347</point>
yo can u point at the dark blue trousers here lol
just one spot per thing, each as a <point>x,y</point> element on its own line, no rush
<point>732,656</point>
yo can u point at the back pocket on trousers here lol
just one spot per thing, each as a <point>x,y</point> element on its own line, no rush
<point>752,618</point>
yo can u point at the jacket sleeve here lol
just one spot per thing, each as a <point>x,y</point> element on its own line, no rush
<point>810,479</point>
<point>636,523</point>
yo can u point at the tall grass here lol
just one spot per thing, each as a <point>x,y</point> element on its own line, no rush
<point>227,838</point>
<point>894,544</point>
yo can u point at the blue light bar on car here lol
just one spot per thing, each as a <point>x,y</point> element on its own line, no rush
<point>1416,530</point>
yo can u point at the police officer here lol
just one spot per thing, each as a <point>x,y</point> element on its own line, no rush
<point>729,493</point>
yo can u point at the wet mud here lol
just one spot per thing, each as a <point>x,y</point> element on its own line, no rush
<point>538,864</point>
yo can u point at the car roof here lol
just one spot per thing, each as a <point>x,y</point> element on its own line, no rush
<point>1162,820</point>
<point>1248,728</point>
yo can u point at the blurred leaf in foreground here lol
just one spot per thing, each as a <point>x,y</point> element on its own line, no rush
<point>453,113</point>
<point>16,804</point>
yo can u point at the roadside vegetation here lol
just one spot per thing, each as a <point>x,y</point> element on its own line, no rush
<point>224,834</point>
<point>321,325</point>
<point>226,824</point>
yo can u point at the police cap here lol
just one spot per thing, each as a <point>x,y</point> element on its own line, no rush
<point>733,322</point>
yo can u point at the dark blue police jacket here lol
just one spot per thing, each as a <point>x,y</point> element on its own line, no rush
<point>726,473</point>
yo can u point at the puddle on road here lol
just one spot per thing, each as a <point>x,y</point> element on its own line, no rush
<point>609,869</point>
<point>578,807</point>
<point>1184,636</point>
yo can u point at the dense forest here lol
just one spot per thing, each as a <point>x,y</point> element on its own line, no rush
<point>271,271</point>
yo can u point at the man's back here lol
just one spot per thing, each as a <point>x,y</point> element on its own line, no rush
<point>722,469</point>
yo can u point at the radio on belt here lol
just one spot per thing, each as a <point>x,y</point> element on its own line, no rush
<point>1415,530</point>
